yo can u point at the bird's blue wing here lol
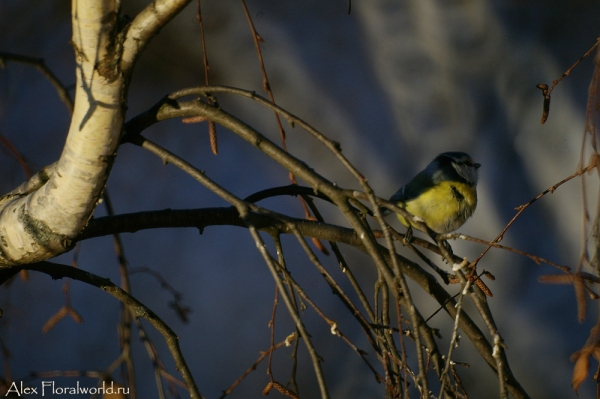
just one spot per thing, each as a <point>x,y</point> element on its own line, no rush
<point>417,186</point>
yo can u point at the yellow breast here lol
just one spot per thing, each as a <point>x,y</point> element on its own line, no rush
<point>444,207</point>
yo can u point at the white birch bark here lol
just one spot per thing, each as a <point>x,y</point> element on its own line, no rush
<point>41,221</point>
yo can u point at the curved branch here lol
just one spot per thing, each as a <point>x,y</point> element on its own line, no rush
<point>40,64</point>
<point>42,223</point>
<point>332,145</point>
<point>341,198</point>
<point>202,218</point>
<point>145,26</point>
<point>365,241</point>
<point>272,265</point>
<point>57,271</point>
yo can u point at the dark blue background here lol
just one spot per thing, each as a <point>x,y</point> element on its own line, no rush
<point>395,83</point>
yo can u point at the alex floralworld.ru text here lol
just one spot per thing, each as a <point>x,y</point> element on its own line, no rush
<point>50,388</point>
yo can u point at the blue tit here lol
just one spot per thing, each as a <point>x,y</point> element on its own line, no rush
<point>443,195</point>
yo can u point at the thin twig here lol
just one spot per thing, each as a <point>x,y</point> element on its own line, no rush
<point>39,63</point>
<point>153,355</point>
<point>521,208</point>
<point>367,241</point>
<point>454,339</point>
<point>57,271</point>
<point>338,255</point>
<point>315,358</point>
<point>404,296</point>
<point>243,209</point>
<point>590,136</point>
<point>547,92</point>
<point>125,323</point>
<point>281,260</point>
<point>537,259</point>
<point>333,146</point>
<point>212,129</point>
<point>266,85</point>
<point>343,297</point>
<point>263,355</point>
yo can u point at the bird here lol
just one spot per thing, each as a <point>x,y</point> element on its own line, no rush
<point>443,195</point>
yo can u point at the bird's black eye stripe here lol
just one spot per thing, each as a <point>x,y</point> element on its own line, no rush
<point>457,194</point>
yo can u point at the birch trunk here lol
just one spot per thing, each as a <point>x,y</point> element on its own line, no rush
<point>41,220</point>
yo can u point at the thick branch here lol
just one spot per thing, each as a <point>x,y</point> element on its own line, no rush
<point>202,218</point>
<point>42,224</point>
<point>146,25</point>
<point>41,218</point>
<point>170,109</point>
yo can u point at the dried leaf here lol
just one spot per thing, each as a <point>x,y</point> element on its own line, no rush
<point>282,389</point>
<point>486,290</point>
<point>577,280</point>
<point>320,246</point>
<point>489,275</point>
<point>75,316</point>
<point>58,316</point>
<point>267,388</point>
<point>581,368</point>
<point>293,178</point>
<point>55,319</point>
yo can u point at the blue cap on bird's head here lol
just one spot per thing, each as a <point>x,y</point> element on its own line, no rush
<point>454,166</point>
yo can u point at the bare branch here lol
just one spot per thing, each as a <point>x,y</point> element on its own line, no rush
<point>39,63</point>
<point>57,271</point>
<point>145,26</point>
